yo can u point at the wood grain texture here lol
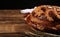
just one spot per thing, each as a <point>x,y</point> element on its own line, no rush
<point>11,20</point>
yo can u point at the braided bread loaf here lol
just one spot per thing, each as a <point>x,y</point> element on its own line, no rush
<point>45,17</point>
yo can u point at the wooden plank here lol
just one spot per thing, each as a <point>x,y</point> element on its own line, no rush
<point>13,21</point>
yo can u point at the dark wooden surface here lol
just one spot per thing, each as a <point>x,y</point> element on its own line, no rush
<point>12,24</point>
<point>12,21</point>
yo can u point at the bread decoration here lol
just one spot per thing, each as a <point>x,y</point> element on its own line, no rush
<point>44,17</point>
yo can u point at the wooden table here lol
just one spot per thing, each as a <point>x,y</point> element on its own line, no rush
<point>12,21</point>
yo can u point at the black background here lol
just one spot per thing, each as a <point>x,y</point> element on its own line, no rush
<point>22,4</point>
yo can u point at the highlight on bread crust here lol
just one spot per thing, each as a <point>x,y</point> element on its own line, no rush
<point>45,17</point>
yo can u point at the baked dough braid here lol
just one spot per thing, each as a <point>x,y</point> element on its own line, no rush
<point>45,17</point>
